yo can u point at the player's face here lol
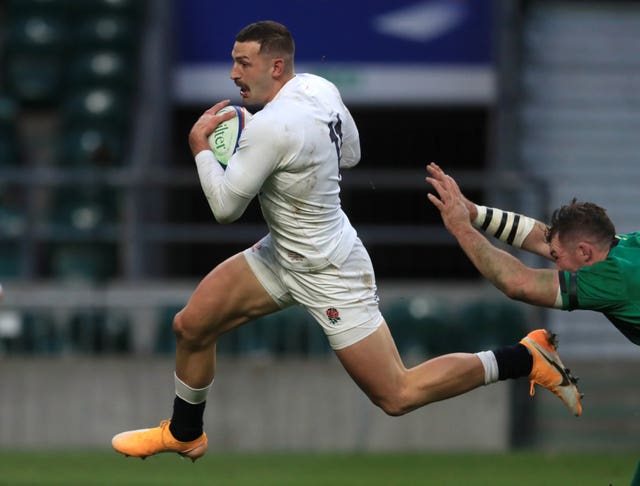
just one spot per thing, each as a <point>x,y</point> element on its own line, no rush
<point>567,256</point>
<point>252,73</point>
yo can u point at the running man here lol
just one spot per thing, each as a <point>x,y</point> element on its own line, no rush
<point>290,156</point>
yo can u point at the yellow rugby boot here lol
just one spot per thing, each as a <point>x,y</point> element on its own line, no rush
<point>548,370</point>
<point>147,442</point>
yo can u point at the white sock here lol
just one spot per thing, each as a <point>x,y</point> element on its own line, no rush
<point>490,366</point>
<point>188,394</point>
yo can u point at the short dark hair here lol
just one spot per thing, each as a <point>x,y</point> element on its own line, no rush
<point>272,36</point>
<point>581,220</point>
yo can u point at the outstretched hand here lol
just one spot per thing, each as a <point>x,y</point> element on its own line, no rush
<point>455,209</point>
<point>206,124</point>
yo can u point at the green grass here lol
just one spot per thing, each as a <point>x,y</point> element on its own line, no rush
<point>88,468</point>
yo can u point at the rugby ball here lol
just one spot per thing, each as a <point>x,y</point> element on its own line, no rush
<point>224,139</point>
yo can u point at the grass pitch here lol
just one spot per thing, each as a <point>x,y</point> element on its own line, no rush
<point>89,468</point>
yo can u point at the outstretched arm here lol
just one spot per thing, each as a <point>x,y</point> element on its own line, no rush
<point>512,277</point>
<point>514,229</point>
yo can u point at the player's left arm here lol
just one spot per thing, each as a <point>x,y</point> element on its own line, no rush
<point>507,273</point>
<point>514,229</point>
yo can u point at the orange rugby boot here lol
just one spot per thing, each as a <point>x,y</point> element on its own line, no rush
<point>147,442</point>
<point>548,370</point>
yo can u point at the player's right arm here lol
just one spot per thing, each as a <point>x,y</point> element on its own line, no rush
<point>225,203</point>
<point>230,191</point>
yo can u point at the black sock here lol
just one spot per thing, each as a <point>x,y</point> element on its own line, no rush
<point>513,361</point>
<point>186,423</point>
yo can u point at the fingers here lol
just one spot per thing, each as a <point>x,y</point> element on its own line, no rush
<point>437,185</point>
<point>217,107</point>
<point>448,192</point>
<point>210,117</point>
<point>432,181</point>
<point>446,180</point>
<point>435,201</point>
<point>442,192</point>
<point>206,124</point>
<point>435,167</point>
<point>209,120</point>
<point>438,174</point>
<point>435,170</point>
<point>443,187</point>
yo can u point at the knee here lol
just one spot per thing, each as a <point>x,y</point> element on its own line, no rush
<point>190,333</point>
<point>394,404</point>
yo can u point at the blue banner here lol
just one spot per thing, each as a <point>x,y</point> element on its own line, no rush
<point>353,41</point>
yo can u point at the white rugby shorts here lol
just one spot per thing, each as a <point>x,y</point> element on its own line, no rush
<point>344,301</point>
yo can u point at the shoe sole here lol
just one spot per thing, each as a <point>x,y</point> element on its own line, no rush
<point>187,454</point>
<point>195,453</point>
<point>568,380</point>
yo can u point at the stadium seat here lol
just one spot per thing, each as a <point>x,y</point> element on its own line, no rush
<point>101,68</point>
<point>316,342</point>
<point>91,147</point>
<point>13,220</point>
<point>492,323</point>
<point>13,224</point>
<point>244,340</point>
<point>34,79</point>
<point>402,324</point>
<point>8,111</point>
<point>25,7</point>
<point>9,145</point>
<point>99,331</point>
<point>84,221</point>
<point>77,8</point>
<point>127,8</point>
<point>107,31</point>
<point>8,151</point>
<point>97,108</point>
<point>165,340</point>
<point>293,332</point>
<point>421,326</point>
<point>10,259</point>
<point>10,330</point>
<point>36,33</point>
<point>290,332</point>
<point>33,63</point>
<point>440,327</point>
<point>85,208</point>
<point>37,334</point>
<point>83,262</point>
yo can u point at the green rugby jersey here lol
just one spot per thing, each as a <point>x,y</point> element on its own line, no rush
<point>611,286</point>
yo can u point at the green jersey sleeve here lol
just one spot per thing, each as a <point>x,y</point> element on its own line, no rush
<point>600,287</point>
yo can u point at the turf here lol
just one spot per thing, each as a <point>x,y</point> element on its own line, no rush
<point>89,468</point>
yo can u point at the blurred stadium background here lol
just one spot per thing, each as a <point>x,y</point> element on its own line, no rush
<point>104,231</point>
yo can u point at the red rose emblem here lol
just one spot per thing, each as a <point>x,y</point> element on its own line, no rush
<point>333,315</point>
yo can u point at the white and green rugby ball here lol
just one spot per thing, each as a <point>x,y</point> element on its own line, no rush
<point>224,139</point>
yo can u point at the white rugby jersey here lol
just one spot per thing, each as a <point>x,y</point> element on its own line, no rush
<point>289,155</point>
